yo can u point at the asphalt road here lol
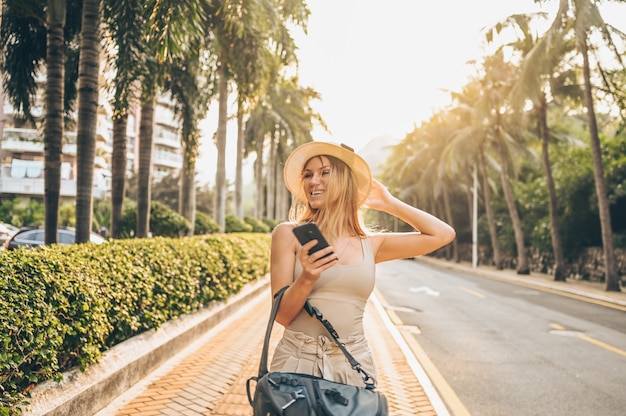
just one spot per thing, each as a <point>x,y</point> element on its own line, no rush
<point>509,350</point>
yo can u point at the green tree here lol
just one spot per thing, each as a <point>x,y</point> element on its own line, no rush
<point>282,120</point>
<point>243,31</point>
<point>497,84</point>
<point>172,26</point>
<point>33,34</point>
<point>582,19</point>
<point>191,88</point>
<point>417,172</point>
<point>469,152</point>
<point>262,51</point>
<point>125,22</point>
<point>22,212</point>
<point>537,80</point>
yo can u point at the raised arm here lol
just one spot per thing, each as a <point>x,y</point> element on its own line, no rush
<point>431,234</point>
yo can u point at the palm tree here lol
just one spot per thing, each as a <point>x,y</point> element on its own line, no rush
<point>491,219</point>
<point>191,90</point>
<point>417,169</point>
<point>53,129</point>
<point>33,33</point>
<point>281,121</point>
<point>144,172</point>
<point>241,151</point>
<point>257,126</point>
<point>244,31</point>
<point>89,66</point>
<point>293,126</point>
<point>467,152</point>
<point>588,17</point>
<point>539,58</point>
<point>125,23</point>
<point>23,43</point>
<point>219,206</point>
<point>582,18</point>
<point>497,85</point>
<point>171,24</point>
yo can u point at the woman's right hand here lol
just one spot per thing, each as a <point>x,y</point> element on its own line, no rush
<point>313,265</point>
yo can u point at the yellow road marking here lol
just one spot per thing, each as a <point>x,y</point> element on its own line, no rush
<point>472,292</point>
<point>603,345</point>
<point>591,340</point>
<point>544,288</point>
<point>455,405</point>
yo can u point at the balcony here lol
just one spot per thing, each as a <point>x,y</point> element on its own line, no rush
<point>164,137</point>
<point>168,160</point>
<point>30,140</point>
<point>27,179</point>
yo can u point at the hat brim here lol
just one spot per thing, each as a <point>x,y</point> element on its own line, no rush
<point>294,165</point>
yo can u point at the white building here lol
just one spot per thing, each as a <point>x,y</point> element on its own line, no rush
<point>22,151</point>
<point>167,157</point>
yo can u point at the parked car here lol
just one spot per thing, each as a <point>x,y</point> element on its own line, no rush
<point>34,237</point>
<point>6,231</point>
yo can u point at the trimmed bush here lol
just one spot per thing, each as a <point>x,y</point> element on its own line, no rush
<point>64,305</point>
<point>235,225</point>
<point>204,224</point>
<point>271,223</point>
<point>257,226</point>
<point>164,221</point>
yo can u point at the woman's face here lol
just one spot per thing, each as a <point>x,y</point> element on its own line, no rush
<point>315,178</point>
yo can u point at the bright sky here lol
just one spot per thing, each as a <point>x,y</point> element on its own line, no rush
<point>383,66</point>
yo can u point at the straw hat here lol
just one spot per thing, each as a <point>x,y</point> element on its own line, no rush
<point>298,158</point>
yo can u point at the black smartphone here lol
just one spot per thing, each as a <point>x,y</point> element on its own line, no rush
<point>309,231</point>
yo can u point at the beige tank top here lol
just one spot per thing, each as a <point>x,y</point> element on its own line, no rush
<point>341,294</point>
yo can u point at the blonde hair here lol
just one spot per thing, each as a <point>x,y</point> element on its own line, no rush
<point>341,209</point>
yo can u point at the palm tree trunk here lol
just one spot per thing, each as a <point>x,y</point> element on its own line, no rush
<point>555,229</point>
<point>190,140</point>
<point>53,128</point>
<point>522,258</point>
<point>271,178</point>
<point>187,201</point>
<point>219,210</point>
<point>88,71</point>
<point>469,196</point>
<point>282,198</point>
<point>144,179</point>
<point>239,163</point>
<point>118,173</point>
<point>612,279</point>
<point>450,219</point>
<point>2,98</point>
<point>258,177</point>
<point>491,220</point>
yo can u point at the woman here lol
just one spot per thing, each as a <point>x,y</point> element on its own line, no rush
<point>329,183</point>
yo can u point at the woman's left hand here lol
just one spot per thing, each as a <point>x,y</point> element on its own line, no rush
<point>379,196</point>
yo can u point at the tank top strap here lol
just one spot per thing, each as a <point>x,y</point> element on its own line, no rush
<point>368,254</point>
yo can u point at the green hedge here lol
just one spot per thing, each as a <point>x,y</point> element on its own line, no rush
<point>63,306</point>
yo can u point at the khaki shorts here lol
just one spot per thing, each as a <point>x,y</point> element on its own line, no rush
<point>297,352</point>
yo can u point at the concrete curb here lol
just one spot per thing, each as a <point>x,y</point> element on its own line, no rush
<point>124,365</point>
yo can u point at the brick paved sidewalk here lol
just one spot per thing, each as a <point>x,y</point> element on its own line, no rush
<point>210,377</point>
